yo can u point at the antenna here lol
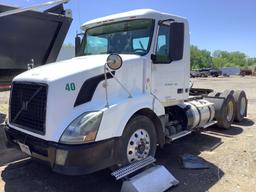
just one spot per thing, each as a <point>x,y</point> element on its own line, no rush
<point>37,6</point>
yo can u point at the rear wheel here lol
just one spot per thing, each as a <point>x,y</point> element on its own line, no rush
<point>241,105</point>
<point>224,104</point>
<point>138,140</point>
<point>226,114</point>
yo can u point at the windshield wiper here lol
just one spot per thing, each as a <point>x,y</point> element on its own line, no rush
<point>141,44</point>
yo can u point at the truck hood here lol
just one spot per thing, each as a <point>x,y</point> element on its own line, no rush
<point>55,71</point>
<point>64,82</point>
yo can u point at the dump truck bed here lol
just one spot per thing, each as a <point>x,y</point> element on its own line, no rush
<point>30,35</point>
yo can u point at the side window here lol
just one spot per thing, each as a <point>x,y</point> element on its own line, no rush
<point>163,45</point>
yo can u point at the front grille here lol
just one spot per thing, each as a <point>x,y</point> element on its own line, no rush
<point>28,106</point>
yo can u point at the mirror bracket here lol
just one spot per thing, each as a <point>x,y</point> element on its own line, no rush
<point>153,58</point>
<point>114,62</point>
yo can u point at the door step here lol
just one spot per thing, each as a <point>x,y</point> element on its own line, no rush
<point>145,179</point>
<point>179,135</point>
<point>209,124</point>
<point>133,167</point>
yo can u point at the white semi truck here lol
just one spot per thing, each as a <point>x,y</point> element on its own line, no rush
<point>125,93</point>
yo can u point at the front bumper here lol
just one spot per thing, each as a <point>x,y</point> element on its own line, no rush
<point>78,159</point>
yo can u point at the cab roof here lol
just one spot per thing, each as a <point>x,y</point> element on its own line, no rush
<point>139,13</point>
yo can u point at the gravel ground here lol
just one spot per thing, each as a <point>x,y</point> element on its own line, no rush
<point>231,156</point>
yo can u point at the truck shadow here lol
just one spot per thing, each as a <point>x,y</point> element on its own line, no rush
<point>233,131</point>
<point>7,154</point>
<point>246,122</point>
<point>191,180</point>
<point>29,175</point>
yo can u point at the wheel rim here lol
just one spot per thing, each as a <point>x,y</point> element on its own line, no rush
<point>230,111</point>
<point>138,146</point>
<point>242,106</point>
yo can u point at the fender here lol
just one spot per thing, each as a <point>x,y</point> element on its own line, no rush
<point>116,116</point>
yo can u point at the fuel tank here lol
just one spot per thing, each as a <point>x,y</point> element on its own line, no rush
<point>198,113</point>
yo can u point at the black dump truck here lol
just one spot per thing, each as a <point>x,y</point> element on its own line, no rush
<point>30,39</point>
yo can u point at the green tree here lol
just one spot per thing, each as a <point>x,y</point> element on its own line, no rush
<point>229,59</point>
<point>200,58</point>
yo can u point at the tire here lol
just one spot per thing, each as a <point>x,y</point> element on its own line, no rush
<point>241,105</point>
<point>225,116</point>
<point>126,148</point>
<point>222,104</point>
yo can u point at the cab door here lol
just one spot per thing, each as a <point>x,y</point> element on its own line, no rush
<point>168,65</point>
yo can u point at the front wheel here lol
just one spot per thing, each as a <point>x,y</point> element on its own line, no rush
<point>138,140</point>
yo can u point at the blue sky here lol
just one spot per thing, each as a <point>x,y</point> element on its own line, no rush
<point>214,24</point>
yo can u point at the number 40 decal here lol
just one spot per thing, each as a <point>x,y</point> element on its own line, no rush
<point>70,87</point>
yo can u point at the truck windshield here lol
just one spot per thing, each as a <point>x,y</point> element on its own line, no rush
<point>126,37</point>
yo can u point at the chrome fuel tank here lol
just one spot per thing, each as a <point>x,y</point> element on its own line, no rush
<point>198,112</point>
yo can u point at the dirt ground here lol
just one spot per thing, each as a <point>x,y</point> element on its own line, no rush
<point>231,155</point>
<point>4,99</point>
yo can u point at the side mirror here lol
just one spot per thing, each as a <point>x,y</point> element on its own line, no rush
<point>77,45</point>
<point>176,41</point>
<point>114,61</point>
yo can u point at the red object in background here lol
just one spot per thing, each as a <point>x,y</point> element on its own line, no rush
<point>5,87</point>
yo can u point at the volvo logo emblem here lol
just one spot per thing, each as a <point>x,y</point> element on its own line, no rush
<point>25,105</point>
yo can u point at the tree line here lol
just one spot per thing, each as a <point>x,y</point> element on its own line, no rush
<point>202,58</point>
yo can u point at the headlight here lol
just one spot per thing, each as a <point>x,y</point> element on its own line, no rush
<point>83,129</point>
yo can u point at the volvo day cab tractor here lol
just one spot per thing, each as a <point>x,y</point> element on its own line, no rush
<point>125,93</point>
